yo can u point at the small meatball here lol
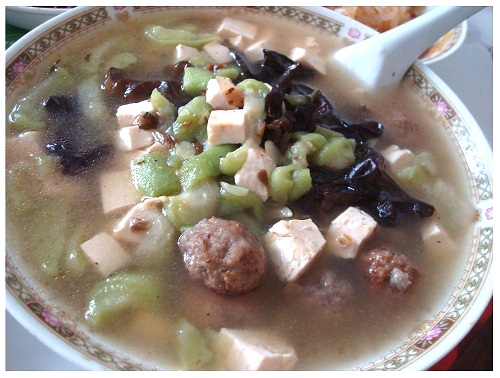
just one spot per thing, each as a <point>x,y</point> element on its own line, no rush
<point>324,293</point>
<point>382,265</point>
<point>225,255</point>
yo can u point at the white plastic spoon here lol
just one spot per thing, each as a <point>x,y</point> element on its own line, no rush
<point>381,61</point>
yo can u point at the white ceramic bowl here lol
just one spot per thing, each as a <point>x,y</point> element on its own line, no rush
<point>432,339</point>
<point>31,17</point>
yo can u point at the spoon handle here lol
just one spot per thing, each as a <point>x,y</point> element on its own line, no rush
<point>382,60</point>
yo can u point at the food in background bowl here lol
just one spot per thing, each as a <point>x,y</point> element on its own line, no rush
<point>384,18</point>
<point>212,195</point>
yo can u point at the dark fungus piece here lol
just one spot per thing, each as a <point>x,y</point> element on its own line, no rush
<point>365,184</point>
<point>64,114</point>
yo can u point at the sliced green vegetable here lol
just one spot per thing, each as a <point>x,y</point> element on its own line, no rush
<point>191,206</point>
<point>203,166</point>
<point>233,161</point>
<point>192,120</point>
<point>196,80</point>
<point>258,87</point>
<point>153,177</point>
<point>112,300</point>
<point>420,176</point>
<point>193,348</point>
<point>337,153</point>
<point>163,106</point>
<point>289,182</point>
<point>173,37</point>
<point>237,199</point>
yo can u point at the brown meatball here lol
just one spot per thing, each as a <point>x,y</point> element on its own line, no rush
<point>380,263</point>
<point>225,255</point>
<point>324,293</point>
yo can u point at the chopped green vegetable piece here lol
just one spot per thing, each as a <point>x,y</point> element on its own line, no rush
<point>193,348</point>
<point>196,80</point>
<point>153,177</point>
<point>111,300</point>
<point>191,206</point>
<point>289,182</point>
<point>419,176</point>
<point>173,37</point>
<point>233,161</point>
<point>337,153</point>
<point>229,72</point>
<point>192,120</point>
<point>203,166</point>
<point>260,88</point>
<point>233,201</point>
<point>163,106</point>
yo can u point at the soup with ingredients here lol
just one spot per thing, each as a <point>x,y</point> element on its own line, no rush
<point>205,192</point>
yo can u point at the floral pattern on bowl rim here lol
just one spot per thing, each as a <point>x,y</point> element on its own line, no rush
<point>475,275</point>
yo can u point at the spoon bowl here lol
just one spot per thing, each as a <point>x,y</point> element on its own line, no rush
<point>382,61</point>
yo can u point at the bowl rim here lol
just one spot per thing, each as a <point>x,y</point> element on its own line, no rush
<point>49,11</point>
<point>446,344</point>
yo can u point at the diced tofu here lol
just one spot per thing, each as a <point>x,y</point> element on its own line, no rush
<point>219,53</point>
<point>142,219</point>
<point>183,52</point>
<point>436,240</point>
<point>292,246</point>
<point>126,114</point>
<point>117,191</point>
<point>226,126</point>
<point>309,59</point>
<point>222,94</point>
<point>254,52</point>
<point>251,350</point>
<point>106,253</point>
<point>231,27</point>
<point>255,172</point>
<point>348,231</point>
<point>237,42</point>
<point>25,146</point>
<point>133,138</point>
<point>398,158</point>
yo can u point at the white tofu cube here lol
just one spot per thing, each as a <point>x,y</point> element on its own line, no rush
<point>105,253</point>
<point>254,52</point>
<point>398,158</point>
<point>309,59</point>
<point>217,52</point>
<point>142,219</point>
<point>292,246</point>
<point>231,27</point>
<point>253,350</point>
<point>237,42</point>
<point>117,191</point>
<point>436,240</point>
<point>348,231</point>
<point>255,172</point>
<point>226,126</point>
<point>222,94</point>
<point>134,138</point>
<point>126,114</point>
<point>183,52</point>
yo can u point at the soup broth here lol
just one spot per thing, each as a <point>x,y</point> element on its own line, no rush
<point>51,214</point>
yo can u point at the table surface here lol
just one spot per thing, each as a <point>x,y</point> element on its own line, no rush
<point>469,72</point>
